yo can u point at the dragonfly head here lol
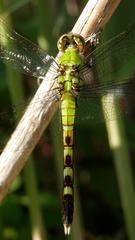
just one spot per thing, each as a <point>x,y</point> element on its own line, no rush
<point>69,39</point>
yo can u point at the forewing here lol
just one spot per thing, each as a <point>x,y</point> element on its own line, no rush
<point>21,53</point>
<point>112,60</point>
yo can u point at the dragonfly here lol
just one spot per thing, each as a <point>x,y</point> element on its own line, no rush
<point>81,73</point>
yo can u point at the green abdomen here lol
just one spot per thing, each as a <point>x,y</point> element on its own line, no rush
<point>68,115</point>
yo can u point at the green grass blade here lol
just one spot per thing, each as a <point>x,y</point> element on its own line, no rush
<point>119,146</point>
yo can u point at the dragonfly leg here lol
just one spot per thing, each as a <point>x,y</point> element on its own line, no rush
<point>94,39</point>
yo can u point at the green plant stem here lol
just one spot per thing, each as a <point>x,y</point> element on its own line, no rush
<point>119,147</point>
<point>37,225</point>
<point>17,97</point>
<point>77,228</point>
<point>43,12</point>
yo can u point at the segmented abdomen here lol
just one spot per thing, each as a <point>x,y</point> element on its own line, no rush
<point>68,116</point>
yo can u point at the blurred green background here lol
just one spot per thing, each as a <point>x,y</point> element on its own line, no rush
<point>32,209</point>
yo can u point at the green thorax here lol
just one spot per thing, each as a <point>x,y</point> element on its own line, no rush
<point>71,56</point>
<point>71,61</point>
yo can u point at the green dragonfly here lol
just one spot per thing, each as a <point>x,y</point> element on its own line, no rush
<point>81,73</point>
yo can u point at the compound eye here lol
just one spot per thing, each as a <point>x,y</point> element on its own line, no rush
<point>80,43</point>
<point>63,42</point>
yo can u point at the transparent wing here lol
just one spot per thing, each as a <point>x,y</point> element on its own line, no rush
<point>90,110</point>
<point>8,113</point>
<point>51,95</point>
<point>122,87</point>
<point>89,100</point>
<point>112,60</point>
<point>21,53</point>
<point>108,69</point>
